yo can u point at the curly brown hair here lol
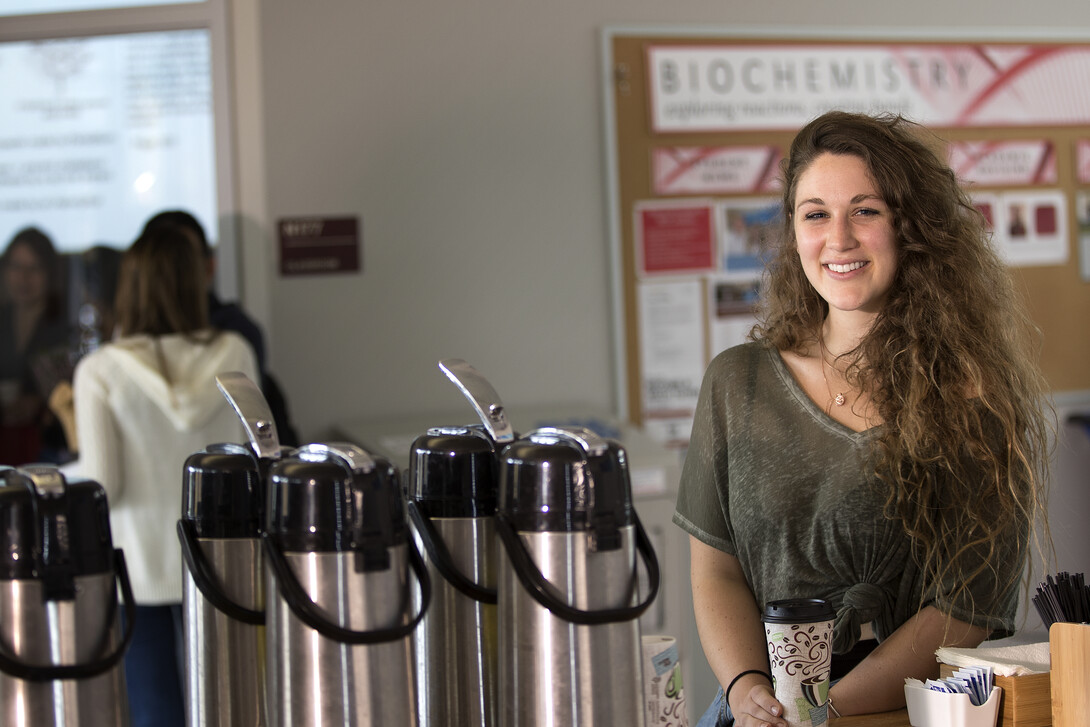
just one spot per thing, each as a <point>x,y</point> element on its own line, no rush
<point>949,364</point>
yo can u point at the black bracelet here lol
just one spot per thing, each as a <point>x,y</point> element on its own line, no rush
<point>726,692</point>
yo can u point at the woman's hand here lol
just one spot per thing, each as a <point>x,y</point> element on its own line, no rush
<point>754,705</point>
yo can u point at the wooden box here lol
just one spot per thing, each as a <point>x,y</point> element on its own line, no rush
<point>1070,649</point>
<point>1027,700</point>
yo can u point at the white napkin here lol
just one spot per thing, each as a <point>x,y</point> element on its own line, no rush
<point>1006,661</point>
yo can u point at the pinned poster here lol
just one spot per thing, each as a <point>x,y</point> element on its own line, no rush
<point>1028,228</point>
<point>671,349</point>
<point>1082,214</point>
<point>675,237</point>
<point>732,309</point>
<point>716,170</point>
<point>1082,161</point>
<point>1022,162</point>
<point>750,230</point>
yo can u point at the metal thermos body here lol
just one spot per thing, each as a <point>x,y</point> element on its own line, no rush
<point>223,588</point>
<point>569,638</point>
<point>452,501</point>
<point>338,597</point>
<point>60,642</point>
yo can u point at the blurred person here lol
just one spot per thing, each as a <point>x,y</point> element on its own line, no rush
<point>231,317</point>
<point>33,339</point>
<point>144,402</point>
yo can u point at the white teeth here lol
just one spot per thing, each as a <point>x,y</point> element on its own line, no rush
<point>845,268</point>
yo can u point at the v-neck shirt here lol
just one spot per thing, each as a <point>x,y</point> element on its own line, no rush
<point>772,479</point>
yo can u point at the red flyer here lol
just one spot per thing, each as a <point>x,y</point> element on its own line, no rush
<point>675,238</point>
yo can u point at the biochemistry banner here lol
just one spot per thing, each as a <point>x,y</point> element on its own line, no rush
<point>754,86</point>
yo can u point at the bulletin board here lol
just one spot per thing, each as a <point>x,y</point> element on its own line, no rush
<point>697,122</point>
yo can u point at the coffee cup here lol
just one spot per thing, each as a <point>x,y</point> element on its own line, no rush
<point>799,634</point>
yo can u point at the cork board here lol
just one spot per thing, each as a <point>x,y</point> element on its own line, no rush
<point>1057,292</point>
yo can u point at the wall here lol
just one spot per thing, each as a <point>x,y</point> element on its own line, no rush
<point>468,138</point>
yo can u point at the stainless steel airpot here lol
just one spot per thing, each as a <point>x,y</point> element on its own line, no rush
<point>451,499</point>
<point>61,649</point>
<point>339,611</point>
<point>569,639</point>
<point>223,587</point>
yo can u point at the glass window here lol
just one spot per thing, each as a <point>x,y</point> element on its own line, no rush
<point>97,134</point>
<point>28,7</point>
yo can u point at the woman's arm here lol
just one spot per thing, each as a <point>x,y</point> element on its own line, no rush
<point>732,635</point>
<point>877,683</point>
<point>96,431</point>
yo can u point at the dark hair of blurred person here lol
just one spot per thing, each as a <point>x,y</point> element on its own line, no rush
<point>231,317</point>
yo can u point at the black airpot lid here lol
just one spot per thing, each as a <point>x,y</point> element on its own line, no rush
<point>223,492</point>
<point>43,534</point>
<point>321,506</point>
<point>453,473</point>
<point>555,486</point>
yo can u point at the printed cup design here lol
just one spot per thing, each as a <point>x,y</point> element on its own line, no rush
<point>800,656</point>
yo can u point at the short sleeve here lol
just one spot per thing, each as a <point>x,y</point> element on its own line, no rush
<point>990,598</point>
<point>701,508</point>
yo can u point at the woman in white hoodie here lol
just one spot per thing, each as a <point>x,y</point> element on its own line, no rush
<point>143,403</point>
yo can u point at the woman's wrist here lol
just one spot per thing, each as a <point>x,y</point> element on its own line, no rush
<point>739,676</point>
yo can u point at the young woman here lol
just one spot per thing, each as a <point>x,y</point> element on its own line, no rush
<point>144,402</point>
<point>880,443</point>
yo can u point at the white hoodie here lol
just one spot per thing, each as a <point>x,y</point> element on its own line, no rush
<point>135,432</point>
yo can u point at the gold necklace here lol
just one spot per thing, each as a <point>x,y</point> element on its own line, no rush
<point>839,398</point>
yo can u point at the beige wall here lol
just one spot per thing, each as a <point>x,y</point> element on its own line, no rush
<point>468,138</point>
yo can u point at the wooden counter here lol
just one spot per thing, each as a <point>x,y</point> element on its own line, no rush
<point>898,718</point>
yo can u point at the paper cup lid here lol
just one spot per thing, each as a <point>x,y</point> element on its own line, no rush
<point>798,610</point>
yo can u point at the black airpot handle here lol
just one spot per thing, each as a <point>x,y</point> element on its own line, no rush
<point>204,577</point>
<point>355,461</point>
<point>542,591</point>
<point>444,563</point>
<point>307,611</point>
<point>53,563</point>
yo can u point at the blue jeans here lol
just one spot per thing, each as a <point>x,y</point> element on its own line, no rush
<point>718,714</point>
<point>153,668</point>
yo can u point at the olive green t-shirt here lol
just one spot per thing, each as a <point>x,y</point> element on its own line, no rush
<point>775,481</point>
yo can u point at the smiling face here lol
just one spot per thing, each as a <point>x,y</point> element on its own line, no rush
<point>844,234</point>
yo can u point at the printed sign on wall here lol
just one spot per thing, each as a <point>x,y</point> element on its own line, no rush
<point>319,245</point>
<point>776,86</point>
